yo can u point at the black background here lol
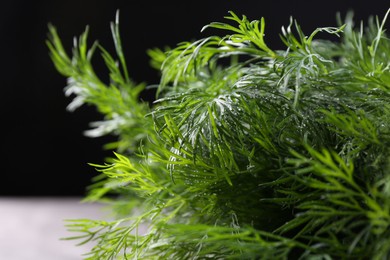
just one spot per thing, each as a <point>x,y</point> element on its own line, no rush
<point>43,150</point>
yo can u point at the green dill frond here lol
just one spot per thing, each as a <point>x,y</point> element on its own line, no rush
<point>247,152</point>
<point>112,99</point>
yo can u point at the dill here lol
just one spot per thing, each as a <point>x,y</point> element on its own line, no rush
<point>247,152</point>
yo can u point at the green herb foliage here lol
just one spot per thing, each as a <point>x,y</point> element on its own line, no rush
<point>247,152</point>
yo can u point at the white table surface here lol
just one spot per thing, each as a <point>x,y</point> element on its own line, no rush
<point>32,228</point>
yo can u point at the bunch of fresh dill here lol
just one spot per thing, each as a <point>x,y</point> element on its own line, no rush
<point>247,152</point>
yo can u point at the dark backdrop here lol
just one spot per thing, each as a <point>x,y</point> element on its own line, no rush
<point>43,150</point>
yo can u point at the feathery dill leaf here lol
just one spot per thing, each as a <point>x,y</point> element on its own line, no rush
<point>247,152</point>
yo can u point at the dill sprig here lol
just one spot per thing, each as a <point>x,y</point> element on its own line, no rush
<point>247,152</point>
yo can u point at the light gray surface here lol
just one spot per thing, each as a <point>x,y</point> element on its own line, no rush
<point>32,228</point>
